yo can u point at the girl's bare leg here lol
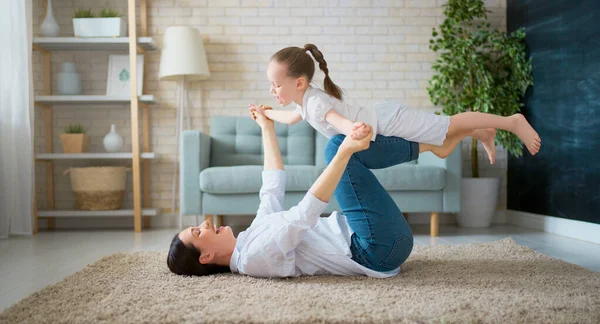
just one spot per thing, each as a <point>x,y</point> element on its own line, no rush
<point>470,121</point>
<point>486,136</point>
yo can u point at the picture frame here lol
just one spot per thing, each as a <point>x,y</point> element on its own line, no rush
<point>117,83</point>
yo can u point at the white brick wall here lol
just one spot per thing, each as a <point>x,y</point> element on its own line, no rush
<point>375,49</point>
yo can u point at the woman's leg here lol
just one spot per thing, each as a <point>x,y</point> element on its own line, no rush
<point>387,151</point>
<point>382,239</point>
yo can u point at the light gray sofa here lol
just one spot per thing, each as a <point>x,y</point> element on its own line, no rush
<point>221,172</point>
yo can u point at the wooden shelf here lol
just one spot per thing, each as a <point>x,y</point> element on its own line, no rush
<point>91,43</point>
<point>90,156</point>
<point>95,213</point>
<point>91,100</point>
<point>137,104</point>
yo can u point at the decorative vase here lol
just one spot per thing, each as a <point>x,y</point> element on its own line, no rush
<point>49,27</point>
<point>113,141</point>
<point>69,82</point>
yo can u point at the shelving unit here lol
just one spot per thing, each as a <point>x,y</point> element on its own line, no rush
<point>93,213</point>
<point>91,100</point>
<point>134,45</point>
<point>93,156</point>
<point>91,43</point>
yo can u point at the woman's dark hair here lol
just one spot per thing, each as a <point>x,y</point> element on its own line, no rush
<point>299,63</point>
<point>184,260</point>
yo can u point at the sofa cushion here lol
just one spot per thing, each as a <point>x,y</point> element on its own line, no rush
<point>412,177</point>
<point>238,141</point>
<point>248,178</point>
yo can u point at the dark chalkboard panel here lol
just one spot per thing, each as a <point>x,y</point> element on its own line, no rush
<point>563,40</point>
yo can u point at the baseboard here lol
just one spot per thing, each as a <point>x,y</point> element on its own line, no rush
<point>450,218</point>
<point>565,227</point>
<point>71,223</point>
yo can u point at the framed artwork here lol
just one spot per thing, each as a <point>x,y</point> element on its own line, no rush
<point>119,75</point>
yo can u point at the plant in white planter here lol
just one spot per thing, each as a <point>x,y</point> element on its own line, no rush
<point>108,23</point>
<point>479,69</point>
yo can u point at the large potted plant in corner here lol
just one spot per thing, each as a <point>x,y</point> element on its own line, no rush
<point>479,68</point>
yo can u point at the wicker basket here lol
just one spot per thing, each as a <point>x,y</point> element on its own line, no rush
<point>98,188</point>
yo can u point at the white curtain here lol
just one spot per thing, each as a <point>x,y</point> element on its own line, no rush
<point>16,118</point>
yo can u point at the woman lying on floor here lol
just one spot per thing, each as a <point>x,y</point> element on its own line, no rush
<point>370,236</point>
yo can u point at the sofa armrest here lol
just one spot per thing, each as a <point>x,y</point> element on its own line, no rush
<point>195,157</point>
<point>453,166</point>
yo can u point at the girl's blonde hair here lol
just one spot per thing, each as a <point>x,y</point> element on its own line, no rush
<point>299,63</point>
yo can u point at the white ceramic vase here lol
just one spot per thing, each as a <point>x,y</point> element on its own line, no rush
<point>49,27</point>
<point>113,141</point>
<point>69,82</point>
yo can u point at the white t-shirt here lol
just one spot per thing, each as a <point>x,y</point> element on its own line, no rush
<point>386,118</point>
<point>316,103</point>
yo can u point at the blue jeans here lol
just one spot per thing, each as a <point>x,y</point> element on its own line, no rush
<point>382,239</point>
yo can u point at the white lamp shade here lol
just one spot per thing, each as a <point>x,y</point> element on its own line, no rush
<point>183,55</point>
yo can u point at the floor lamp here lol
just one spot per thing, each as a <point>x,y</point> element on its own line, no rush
<point>182,59</point>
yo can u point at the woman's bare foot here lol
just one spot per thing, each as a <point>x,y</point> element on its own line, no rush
<point>487,137</point>
<point>526,133</point>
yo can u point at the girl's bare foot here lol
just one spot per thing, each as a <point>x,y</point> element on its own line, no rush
<point>487,137</point>
<point>526,133</point>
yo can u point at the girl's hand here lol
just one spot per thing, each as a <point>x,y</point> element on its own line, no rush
<point>356,125</point>
<point>259,117</point>
<point>260,108</point>
<point>358,140</point>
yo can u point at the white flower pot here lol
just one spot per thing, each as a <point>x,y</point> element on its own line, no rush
<point>478,201</point>
<point>99,27</point>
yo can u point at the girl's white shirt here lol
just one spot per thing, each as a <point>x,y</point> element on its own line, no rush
<point>387,118</point>
<point>316,103</point>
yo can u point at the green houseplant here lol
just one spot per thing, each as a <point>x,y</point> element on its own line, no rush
<point>84,13</point>
<point>74,139</point>
<point>479,68</point>
<point>109,13</point>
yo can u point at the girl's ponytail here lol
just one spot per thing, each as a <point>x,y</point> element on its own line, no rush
<point>331,88</point>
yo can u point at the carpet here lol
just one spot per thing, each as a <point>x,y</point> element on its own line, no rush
<point>494,282</point>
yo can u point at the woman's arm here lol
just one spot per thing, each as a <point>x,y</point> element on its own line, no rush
<point>272,154</point>
<point>272,191</point>
<point>325,185</point>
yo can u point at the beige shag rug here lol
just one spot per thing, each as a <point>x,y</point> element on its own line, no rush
<point>484,282</point>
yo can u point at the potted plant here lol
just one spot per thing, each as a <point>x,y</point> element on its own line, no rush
<point>479,69</point>
<point>74,139</point>
<point>107,24</point>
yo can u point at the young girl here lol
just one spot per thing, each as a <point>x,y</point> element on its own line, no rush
<point>291,70</point>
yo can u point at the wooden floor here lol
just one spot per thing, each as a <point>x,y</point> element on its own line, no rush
<point>31,263</point>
